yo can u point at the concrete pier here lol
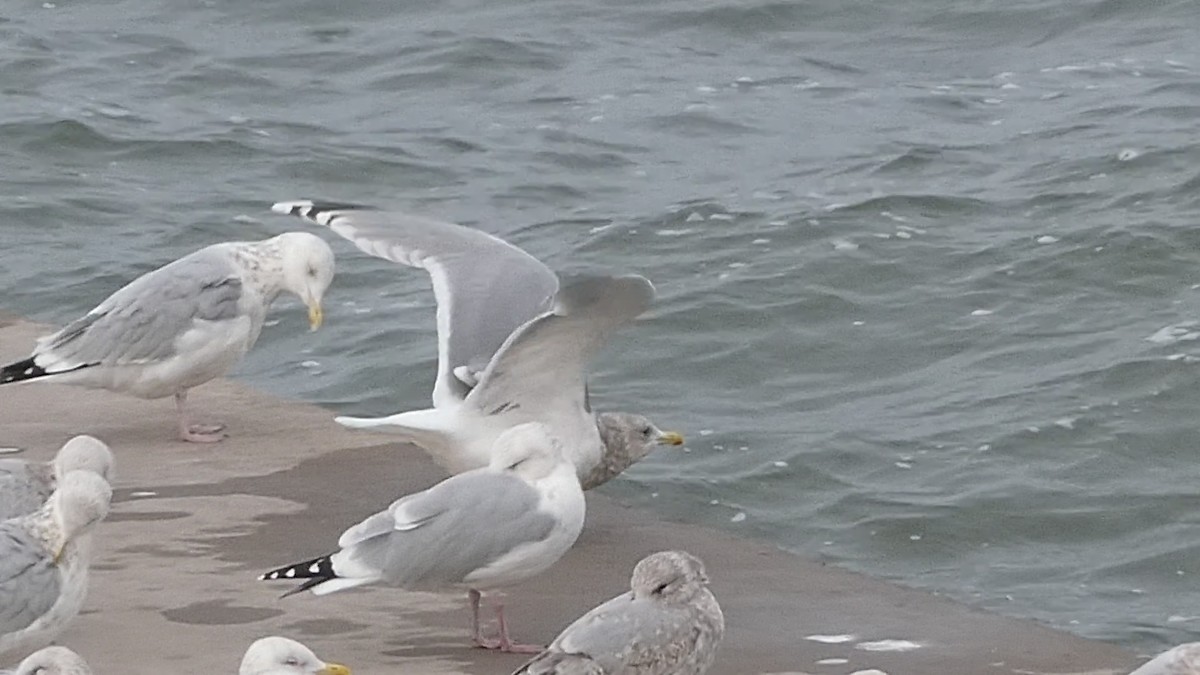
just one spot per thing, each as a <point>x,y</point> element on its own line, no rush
<point>174,588</point>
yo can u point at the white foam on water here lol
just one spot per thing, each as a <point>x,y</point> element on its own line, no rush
<point>1180,332</point>
<point>982,312</point>
<point>832,662</point>
<point>831,639</point>
<point>888,646</point>
<point>721,216</point>
<point>844,245</point>
<point>1046,239</point>
<point>738,517</point>
<point>675,232</point>
<point>1065,422</point>
<point>872,671</point>
<point>901,234</point>
<point>693,217</point>
<point>779,463</point>
<point>1127,154</point>
<point>243,219</point>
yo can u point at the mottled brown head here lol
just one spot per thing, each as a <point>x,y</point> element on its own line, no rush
<point>672,576</point>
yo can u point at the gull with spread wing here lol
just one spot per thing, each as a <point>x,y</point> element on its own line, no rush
<point>513,345</point>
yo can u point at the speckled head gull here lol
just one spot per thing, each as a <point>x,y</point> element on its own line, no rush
<point>1183,659</point>
<point>182,324</point>
<point>668,622</point>
<point>276,655</point>
<point>54,660</point>
<point>44,561</point>
<point>25,486</point>
<point>513,346</point>
<point>479,530</point>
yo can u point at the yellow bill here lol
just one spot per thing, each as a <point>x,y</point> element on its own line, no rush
<point>334,668</point>
<point>670,438</point>
<point>315,316</point>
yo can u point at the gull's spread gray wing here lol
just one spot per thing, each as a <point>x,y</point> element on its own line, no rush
<point>485,287</point>
<point>544,363</point>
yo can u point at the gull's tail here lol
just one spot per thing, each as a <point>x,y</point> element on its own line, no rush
<point>421,427</point>
<point>316,572</point>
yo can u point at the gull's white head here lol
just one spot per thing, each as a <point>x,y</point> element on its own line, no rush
<point>53,661</point>
<point>670,576</point>
<point>276,655</point>
<point>307,270</point>
<point>80,501</point>
<point>84,453</point>
<point>528,450</point>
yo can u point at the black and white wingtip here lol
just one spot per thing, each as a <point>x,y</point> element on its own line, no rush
<point>321,213</point>
<point>316,571</point>
<point>21,370</point>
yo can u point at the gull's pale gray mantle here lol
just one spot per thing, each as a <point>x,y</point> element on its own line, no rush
<point>513,346</point>
<point>1183,659</point>
<point>669,622</point>
<point>54,660</point>
<point>479,530</point>
<point>182,324</point>
<point>44,562</point>
<point>25,486</point>
<point>277,655</point>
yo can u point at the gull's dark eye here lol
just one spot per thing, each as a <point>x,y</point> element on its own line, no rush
<point>661,588</point>
<point>292,661</point>
<point>312,271</point>
<point>646,432</point>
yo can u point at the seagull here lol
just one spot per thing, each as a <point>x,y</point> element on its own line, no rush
<point>25,485</point>
<point>182,324</point>
<point>479,530</point>
<point>44,562</point>
<point>513,344</point>
<point>51,661</point>
<point>276,655</point>
<point>668,623</point>
<point>1183,659</point>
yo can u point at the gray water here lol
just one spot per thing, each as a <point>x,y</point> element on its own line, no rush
<point>927,270</point>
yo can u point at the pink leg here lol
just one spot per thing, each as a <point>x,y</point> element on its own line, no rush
<point>506,644</point>
<point>195,433</point>
<point>503,643</point>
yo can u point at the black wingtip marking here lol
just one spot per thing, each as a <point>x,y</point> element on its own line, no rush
<point>316,571</point>
<point>21,370</point>
<point>28,370</point>
<point>319,212</point>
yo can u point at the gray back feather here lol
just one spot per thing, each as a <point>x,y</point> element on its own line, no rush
<point>29,580</point>
<point>467,522</point>
<point>24,487</point>
<point>140,322</point>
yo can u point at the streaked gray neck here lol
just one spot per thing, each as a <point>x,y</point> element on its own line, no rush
<point>615,457</point>
<point>263,265</point>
